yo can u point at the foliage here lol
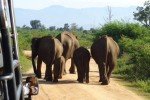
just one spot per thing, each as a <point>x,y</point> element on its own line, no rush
<point>73,27</point>
<point>66,27</point>
<point>118,29</point>
<point>52,28</point>
<point>85,39</point>
<point>143,85</point>
<point>139,51</point>
<point>25,36</point>
<point>36,24</point>
<point>143,14</point>
<point>25,63</point>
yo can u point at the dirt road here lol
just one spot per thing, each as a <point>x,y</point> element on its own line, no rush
<point>69,89</point>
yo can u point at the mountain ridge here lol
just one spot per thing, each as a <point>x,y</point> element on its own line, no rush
<point>86,17</point>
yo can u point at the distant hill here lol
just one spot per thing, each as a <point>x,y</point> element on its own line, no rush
<point>86,17</point>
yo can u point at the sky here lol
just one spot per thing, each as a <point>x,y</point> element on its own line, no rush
<point>40,4</point>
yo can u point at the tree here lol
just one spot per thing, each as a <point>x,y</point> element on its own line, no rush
<point>85,31</point>
<point>143,14</point>
<point>92,30</point>
<point>80,28</point>
<point>74,26</point>
<point>35,24</point>
<point>66,27</point>
<point>109,14</point>
<point>60,29</point>
<point>51,28</point>
<point>25,27</point>
<point>42,27</point>
<point>109,18</point>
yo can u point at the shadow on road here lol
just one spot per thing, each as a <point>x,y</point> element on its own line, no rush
<point>42,81</point>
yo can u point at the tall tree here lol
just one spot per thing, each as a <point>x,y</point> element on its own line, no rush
<point>80,28</point>
<point>109,14</point>
<point>51,28</point>
<point>35,24</point>
<point>74,26</point>
<point>109,18</point>
<point>143,14</point>
<point>66,27</point>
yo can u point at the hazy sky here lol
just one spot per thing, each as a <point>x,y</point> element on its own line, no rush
<point>39,4</point>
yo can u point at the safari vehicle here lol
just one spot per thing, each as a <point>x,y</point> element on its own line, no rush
<point>11,86</point>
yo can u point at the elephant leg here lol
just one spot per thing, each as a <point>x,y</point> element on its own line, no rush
<point>64,72</point>
<point>48,73</point>
<point>34,65</point>
<point>107,68</point>
<point>80,76</point>
<point>56,73</point>
<point>100,74</point>
<point>102,69</point>
<point>72,68</point>
<point>87,74</point>
<point>111,68</point>
<point>62,69</point>
<point>39,64</point>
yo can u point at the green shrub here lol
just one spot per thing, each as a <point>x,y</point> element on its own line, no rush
<point>143,85</point>
<point>139,52</point>
<point>118,29</point>
<point>25,63</point>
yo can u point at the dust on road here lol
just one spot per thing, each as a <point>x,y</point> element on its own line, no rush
<point>69,89</point>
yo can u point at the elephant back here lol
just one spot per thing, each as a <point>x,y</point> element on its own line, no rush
<point>99,49</point>
<point>81,56</point>
<point>58,48</point>
<point>114,46</point>
<point>103,47</point>
<point>69,42</point>
<point>46,49</point>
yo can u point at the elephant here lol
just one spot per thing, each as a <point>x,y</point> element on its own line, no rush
<point>105,52</point>
<point>46,49</point>
<point>81,57</point>
<point>70,44</point>
<point>59,66</point>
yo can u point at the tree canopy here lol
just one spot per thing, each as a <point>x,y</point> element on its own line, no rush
<point>143,14</point>
<point>35,24</point>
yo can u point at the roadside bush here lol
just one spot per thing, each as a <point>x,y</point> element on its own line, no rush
<point>26,35</point>
<point>118,29</point>
<point>139,52</point>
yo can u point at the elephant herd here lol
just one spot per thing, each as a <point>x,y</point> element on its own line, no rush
<point>57,50</point>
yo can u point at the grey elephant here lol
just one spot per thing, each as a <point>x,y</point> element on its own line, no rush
<point>70,44</point>
<point>47,49</point>
<point>81,59</point>
<point>105,52</point>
